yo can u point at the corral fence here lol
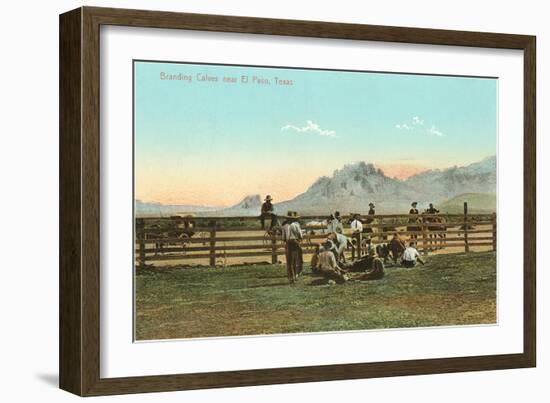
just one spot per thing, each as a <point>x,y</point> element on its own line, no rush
<point>214,240</point>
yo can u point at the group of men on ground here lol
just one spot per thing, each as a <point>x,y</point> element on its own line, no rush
<point>328,258</point>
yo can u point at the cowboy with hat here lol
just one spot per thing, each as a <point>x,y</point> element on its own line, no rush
<point>268,211</point>
<point>292,235</point>
<point>370,219</point>
<point>412,220</point>
<point>328,265</point>
<point>335,223</point>
<point>356,226</point>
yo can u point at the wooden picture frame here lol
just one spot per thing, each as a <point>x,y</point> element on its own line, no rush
<point>79,348</point>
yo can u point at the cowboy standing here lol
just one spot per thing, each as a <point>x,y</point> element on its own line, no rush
<point>411,255</point>
<point>291,235</point>
<point>413,211</point>
<point>370,218</point>
<point>371,212</point>
<point>268,211</point>
<point>335,223</point>
<point>357,230</point>
<point>356,224</point>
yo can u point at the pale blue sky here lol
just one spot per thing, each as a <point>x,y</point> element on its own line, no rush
<point>240,136</point>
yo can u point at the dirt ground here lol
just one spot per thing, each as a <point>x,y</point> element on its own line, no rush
<point>177,302</point>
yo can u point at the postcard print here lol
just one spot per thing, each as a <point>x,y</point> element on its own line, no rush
<point>277,200</point>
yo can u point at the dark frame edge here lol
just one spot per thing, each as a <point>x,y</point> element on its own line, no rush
<point>79,202</point>
<point>256,377</point>
<point>530,201</point>
<point>70,279</point>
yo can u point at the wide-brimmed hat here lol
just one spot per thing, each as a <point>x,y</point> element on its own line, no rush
<point>336,214</point>
<point>414,204</point>
<point>371,204</point>
<point>354,215</point>
<point>268,198</point>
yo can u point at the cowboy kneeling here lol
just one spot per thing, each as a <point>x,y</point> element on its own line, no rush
<point>410,256</point>
<point>327,265</point>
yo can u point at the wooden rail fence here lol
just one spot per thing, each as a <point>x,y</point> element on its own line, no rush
<point>220,238</point>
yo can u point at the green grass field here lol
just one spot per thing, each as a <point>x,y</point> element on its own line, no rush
<point>452,289</point>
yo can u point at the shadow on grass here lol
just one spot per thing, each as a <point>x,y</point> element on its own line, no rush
<point>318,281</point>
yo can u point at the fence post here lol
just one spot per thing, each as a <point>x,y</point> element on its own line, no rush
<point>213,243</point>
<point>424,239</point>
<point>273,247</point>
<point>494,232</point>
<point>140,235</point>
<point>466,245</point>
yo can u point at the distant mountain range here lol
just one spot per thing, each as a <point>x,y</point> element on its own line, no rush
<point>162,210</point>
<point>352,187</point>
<point>479,177</point>
<point>479,203</point>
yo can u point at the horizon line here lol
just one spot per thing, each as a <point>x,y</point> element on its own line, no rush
<point>195,205</point>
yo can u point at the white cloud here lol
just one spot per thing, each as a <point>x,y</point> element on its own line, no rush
<point>433,130</point>
<point>310,128</point>
<point>417,121</point>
